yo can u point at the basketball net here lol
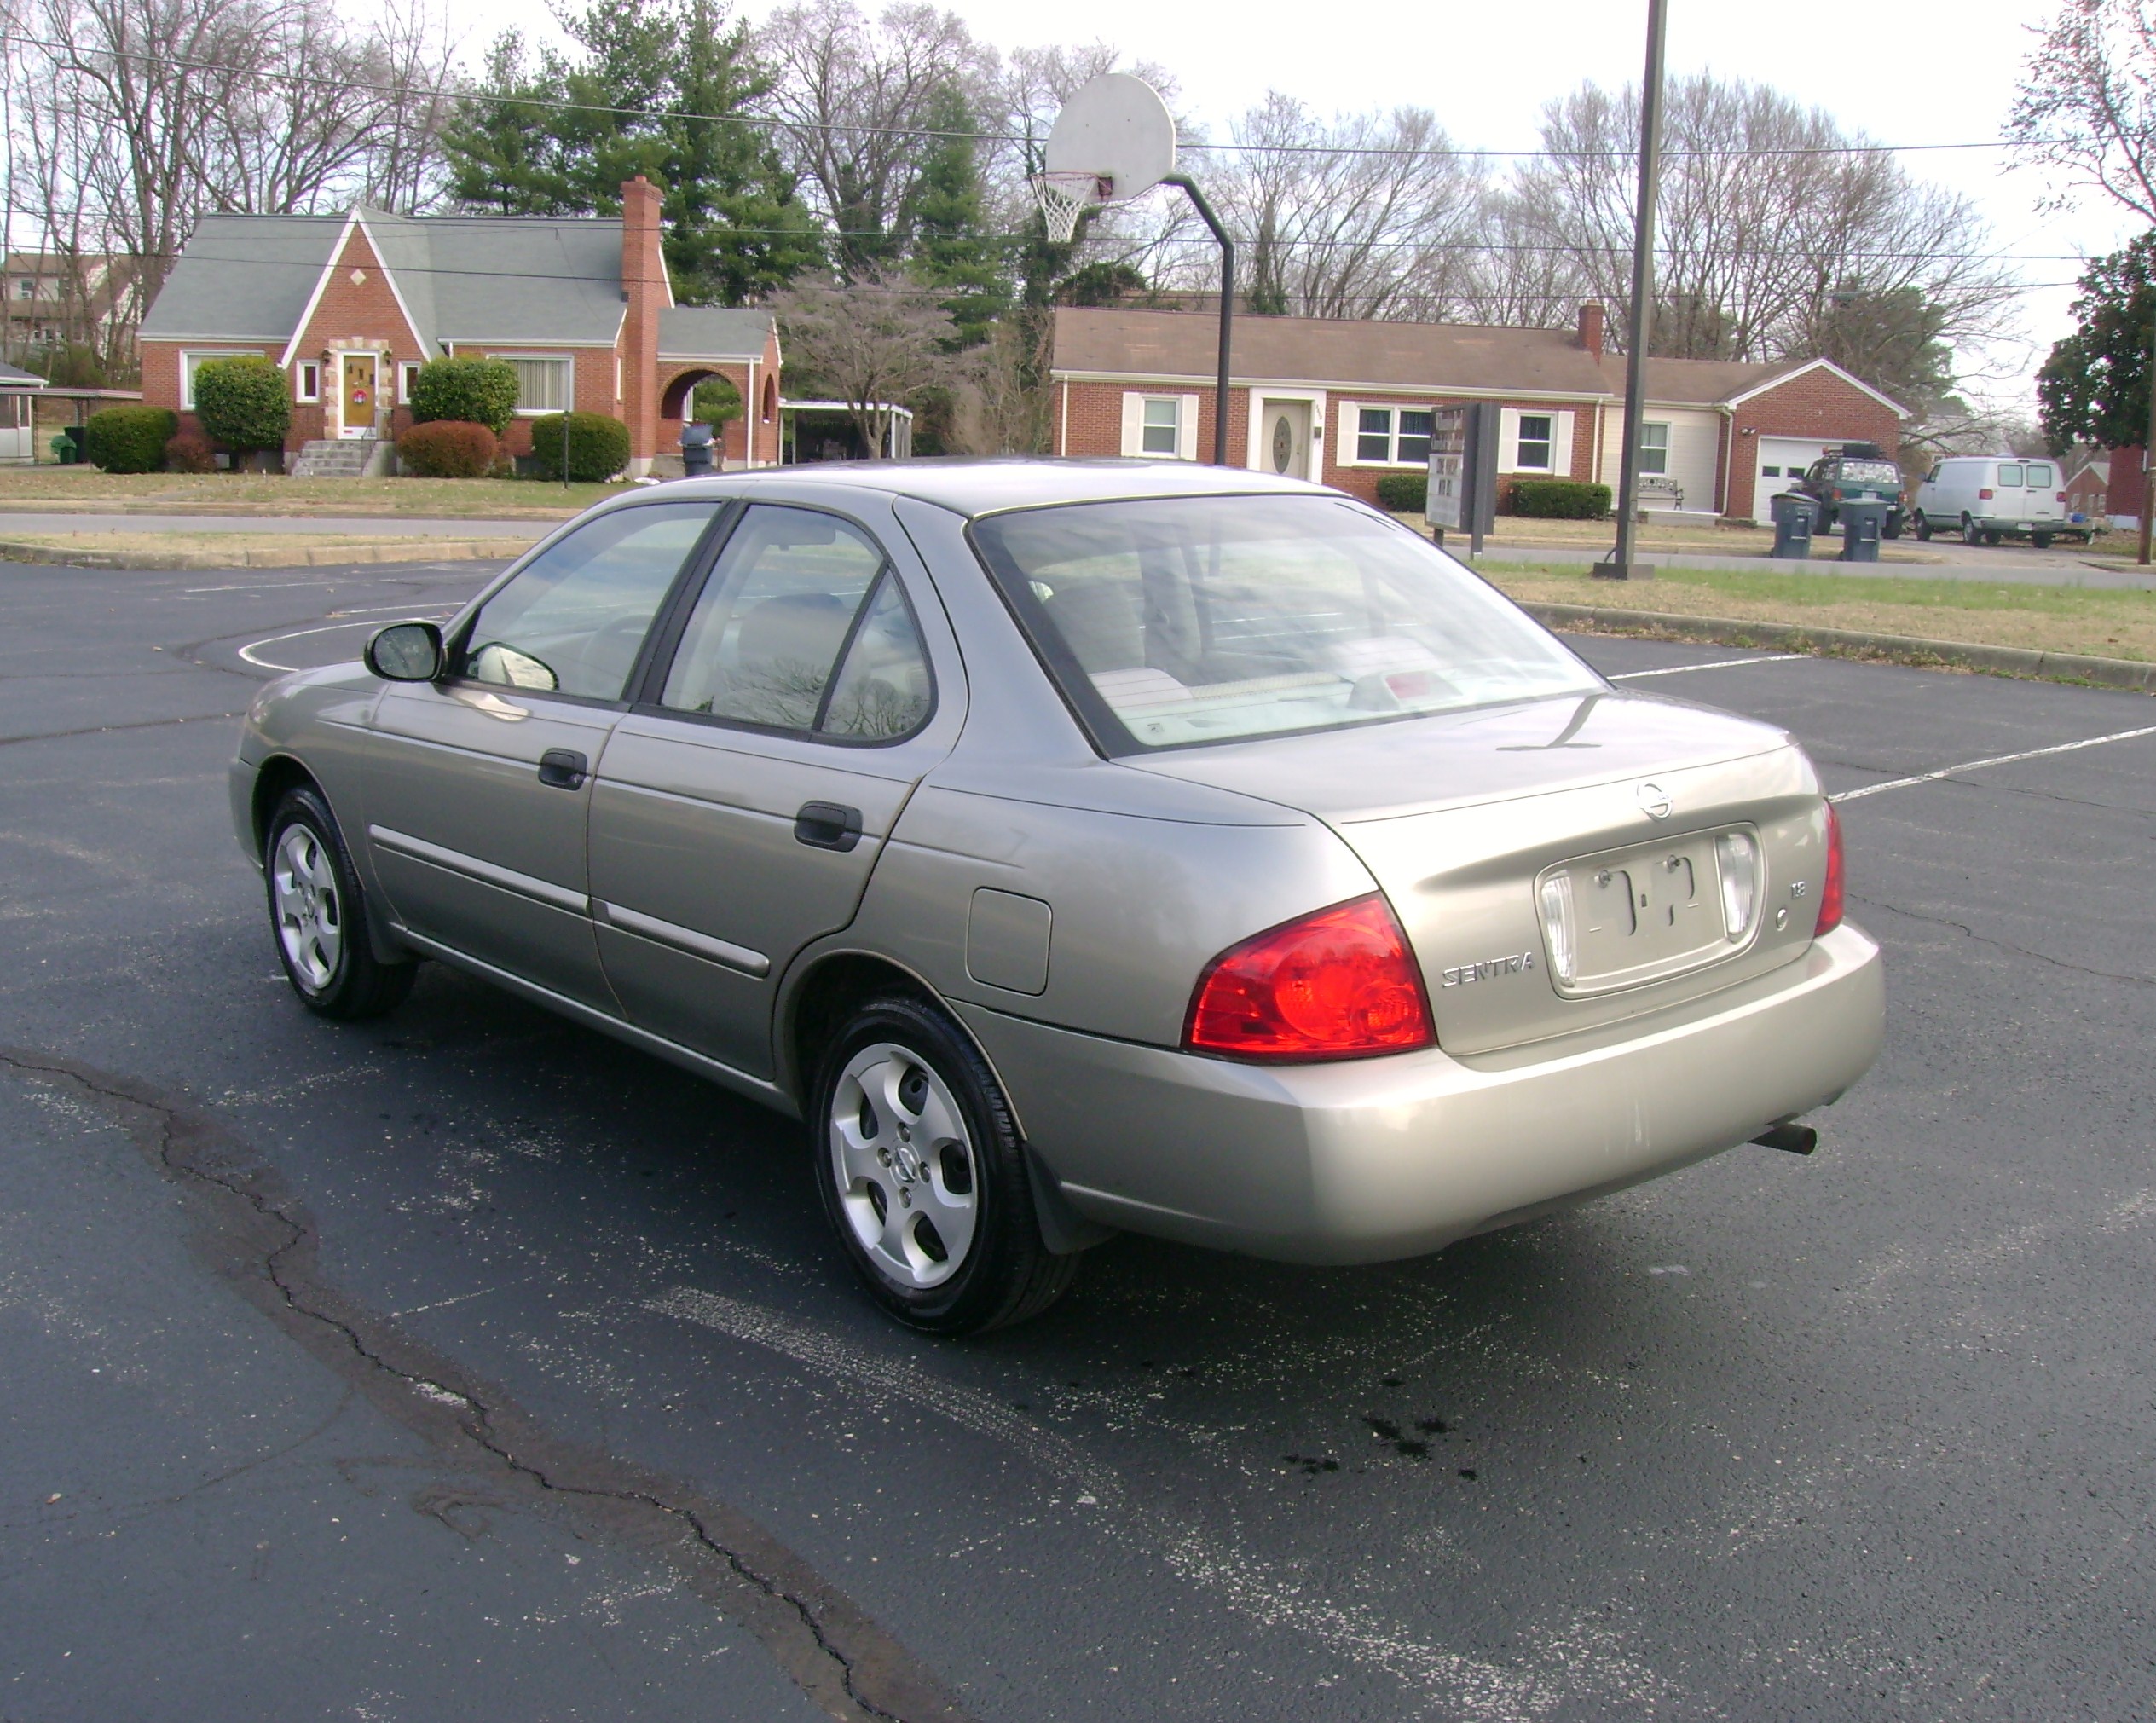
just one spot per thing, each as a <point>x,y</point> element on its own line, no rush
<point>1064,197</point>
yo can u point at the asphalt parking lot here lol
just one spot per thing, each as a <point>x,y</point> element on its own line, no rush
<point>466,1362</point>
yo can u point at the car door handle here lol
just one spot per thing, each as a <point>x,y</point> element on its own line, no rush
<point>562,768</point>
<point>828,825</point>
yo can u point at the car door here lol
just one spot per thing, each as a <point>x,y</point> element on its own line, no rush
<point>479,785</point>
<point>741,804</point>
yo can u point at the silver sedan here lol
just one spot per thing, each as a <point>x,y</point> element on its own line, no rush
<point>1079,847</point>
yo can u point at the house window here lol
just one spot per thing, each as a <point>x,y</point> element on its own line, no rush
<point>192,362</point>
<point>542,385</point>
<point>1654,449</point>
<point>307,387</point>
<point>407,376</point>
<point>25,288</point>
<point>1163,427</point>
<point>1386,437</point>
<point>1533,452</point>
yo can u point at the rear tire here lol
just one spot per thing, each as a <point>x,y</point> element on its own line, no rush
<point>1970,535</point>
<point>1923,529</point>
<point>2041,540</point>
<point>318,916</point>
<point>923,1175</point>
<point>1994,536</point>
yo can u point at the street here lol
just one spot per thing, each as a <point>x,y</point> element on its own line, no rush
<point>468,1362</point>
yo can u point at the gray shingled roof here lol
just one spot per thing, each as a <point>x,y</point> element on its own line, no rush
<point>1328,351</point>
<point>463,278</point>
<point>13,376</point>
<point>1699,382</point>
<point>706,331</point>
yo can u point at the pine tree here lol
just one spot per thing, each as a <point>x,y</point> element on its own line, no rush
<point>953,248</point>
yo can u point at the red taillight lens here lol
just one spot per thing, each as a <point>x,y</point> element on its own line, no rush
<point>1830,887</point>
<point>2062,496</point>
<point>1340,984</point>
<point>1984,496</point>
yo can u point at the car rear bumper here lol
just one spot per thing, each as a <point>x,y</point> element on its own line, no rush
<point>1370,1159</point>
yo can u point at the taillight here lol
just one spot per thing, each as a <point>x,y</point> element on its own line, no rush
<point>1340,984</point>
<point>1830,887</point>
<point>1984,496</point>
<point>2061,497</point>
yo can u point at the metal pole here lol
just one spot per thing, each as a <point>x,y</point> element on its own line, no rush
<point>1620,566</point>
<point>2148,456</point>
<point>1226,307</point>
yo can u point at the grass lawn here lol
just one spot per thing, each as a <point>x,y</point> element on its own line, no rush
<point>194,550</point>
<point>2099,621</point>
<point>37,488</point>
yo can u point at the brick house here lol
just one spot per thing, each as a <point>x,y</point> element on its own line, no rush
<point>2088,487</point>
<point>1344,402</point>
<point>351,306</point>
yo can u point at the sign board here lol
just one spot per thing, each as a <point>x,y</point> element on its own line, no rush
<point>1462,495</point>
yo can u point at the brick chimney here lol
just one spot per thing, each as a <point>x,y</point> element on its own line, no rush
<point>1591,328</point>
<point>643,287</point>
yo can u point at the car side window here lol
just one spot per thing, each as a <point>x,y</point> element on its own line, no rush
<point>574,618</point>
<point>803,627</point>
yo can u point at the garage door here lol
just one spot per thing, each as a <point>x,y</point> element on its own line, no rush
<point>1781,459</point>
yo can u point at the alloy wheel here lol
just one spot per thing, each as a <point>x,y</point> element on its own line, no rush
<point>311,912</point>
<point>904,1166</point>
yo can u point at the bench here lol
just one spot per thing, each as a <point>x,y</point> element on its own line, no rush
<point>1654,489</point>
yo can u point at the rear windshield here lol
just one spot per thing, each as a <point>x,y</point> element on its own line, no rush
<point>1871,472</point>
<point>2040,476</point>
<point>1179,621</point>
<point>2010,476</point>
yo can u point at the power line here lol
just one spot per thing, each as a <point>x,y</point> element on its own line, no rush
<point>462,93</point>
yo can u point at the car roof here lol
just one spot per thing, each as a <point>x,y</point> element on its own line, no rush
<point>980,485</point>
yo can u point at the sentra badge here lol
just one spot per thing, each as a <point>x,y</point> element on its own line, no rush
<point>1490,969</point>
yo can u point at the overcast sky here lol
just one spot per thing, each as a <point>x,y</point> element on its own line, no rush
<point>1940,74</point>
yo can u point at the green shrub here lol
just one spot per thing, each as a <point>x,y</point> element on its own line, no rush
<point>1561,500</point>
<point>1403,492</point>
<point>190,452</point>
<point>242,401</point>
<point>130,439</point>
<point>447,449</point>
<point>465,391</point>
<point>598,447</point>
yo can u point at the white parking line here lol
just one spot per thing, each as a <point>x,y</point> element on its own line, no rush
<point>251,587</point>
<point>1718,664</point>
<point>1996,759</point>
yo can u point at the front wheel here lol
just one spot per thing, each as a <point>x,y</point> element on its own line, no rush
<point>924,1177</point>
<point>319,918</point>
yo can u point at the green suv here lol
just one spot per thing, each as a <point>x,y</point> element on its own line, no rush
<point>1857,472</point>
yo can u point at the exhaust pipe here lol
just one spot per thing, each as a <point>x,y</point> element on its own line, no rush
<point>1788,1136</point>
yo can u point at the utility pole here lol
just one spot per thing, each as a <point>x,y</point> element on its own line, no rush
<point>2148,455</point>
<point>1620,566</point>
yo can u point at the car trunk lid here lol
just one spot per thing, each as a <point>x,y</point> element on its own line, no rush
<point>1463,817</point>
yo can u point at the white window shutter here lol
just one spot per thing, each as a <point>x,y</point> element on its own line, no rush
<point>1508,439</point>
<point>1561,447</point>
<point>1134,424</point>
<point>1186,429</point>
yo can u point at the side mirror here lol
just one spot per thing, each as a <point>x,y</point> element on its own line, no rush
<point>406,652</point>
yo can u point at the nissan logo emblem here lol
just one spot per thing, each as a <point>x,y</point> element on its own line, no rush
<point>1654,802</point>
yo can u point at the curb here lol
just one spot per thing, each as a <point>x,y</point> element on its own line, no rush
<point>299,556</point>
<point>1730,631</point>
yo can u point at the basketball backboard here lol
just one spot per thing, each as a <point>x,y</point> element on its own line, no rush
<point>1114,141</point>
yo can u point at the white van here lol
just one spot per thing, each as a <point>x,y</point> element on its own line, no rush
<point>1990,497</point>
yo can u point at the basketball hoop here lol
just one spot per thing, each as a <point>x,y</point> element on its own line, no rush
<point>1066,194</point>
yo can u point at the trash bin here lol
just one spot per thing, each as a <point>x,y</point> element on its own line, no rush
<point>1862,522</point>
<point>1793,517</point>
<point>695,449</point>
<point>75,436</point>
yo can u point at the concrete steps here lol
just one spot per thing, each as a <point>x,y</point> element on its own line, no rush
<point>340,458</point>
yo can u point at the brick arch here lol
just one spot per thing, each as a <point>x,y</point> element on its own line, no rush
<point>677,382</point>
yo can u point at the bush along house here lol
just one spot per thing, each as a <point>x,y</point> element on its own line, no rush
<point>1347,402</point>
<point>351,306</point>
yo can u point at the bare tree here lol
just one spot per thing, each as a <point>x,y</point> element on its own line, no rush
<point>1772,222</point>
<point>1365,216</point>
<point>2087,103</point>
<point>853,96</point>
<point>875,343</point>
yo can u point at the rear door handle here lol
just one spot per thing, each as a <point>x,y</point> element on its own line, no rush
<point>562,768</point>
<point>828,825</point>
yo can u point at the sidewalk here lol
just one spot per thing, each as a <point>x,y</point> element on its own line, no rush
<point>2060,571</point>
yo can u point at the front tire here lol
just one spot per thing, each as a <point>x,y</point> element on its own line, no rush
<point>923,1175</point>
<point>319,918</point>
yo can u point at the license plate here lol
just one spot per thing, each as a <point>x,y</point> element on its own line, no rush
<point>1646,912</point>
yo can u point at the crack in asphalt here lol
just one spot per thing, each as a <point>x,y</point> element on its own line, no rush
<point>115,729</point>
<point>260,1240</point>
<point>2002,944</point>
